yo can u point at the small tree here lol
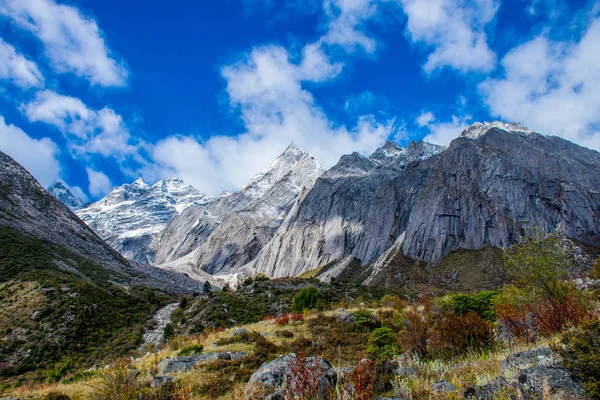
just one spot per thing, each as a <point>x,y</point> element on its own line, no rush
<point>539,263</point>
<point>306,299</point>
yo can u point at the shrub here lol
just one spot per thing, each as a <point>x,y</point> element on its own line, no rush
<point>117,383</point>
<point>287,318</point>
<point>191,350</point>
<point>455,335</point>
<point>364,319</point>
<point>414,336</point>
<point>514,321</point>
<point>554,315</point>
<point>596,269</point>
<point>305,299</point>
<point>168,332</point>
<point>304,379</point>
<point>392,302</point>
<point>580,350</point>
<point>481,303</point>
<point>540,263</point>
<point>358,384</point>
<point>382,343</point>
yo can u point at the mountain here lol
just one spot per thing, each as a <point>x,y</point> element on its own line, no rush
<point>130,217</point>
<point>225,233</point>
<point>67,294</point>
<point>62,192</point>
<point>489,188</point>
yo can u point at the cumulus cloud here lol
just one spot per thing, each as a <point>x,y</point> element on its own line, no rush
<point>72,41</point>
<point>38,156</point>
<point>453,32</point>
<point>346,23</point>
<point>18,69</point>
<point>551,86</point>
<point>441,132</point>
<point>267,87</point>
<point>425,118</point>
<point>100,184</point>
<point>79,193</point>
<point>89,131</point>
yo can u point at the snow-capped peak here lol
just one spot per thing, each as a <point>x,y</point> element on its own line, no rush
<point>478,129</point>
<point>300,165</point>
<point>63,192</point>
<point>395,156</point>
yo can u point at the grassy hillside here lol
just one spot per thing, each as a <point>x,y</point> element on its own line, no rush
<point>62,311</point>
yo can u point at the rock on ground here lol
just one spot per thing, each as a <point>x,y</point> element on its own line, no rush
<point>549,383</point>
<point>268,381</point>
<point>185,363</point>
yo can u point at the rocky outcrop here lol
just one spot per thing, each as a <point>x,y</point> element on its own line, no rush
<point>226,233</point>
<point>172,365</point>
<point>269,380</point>
<point>486,190</point>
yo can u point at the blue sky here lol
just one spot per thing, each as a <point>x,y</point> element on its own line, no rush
<point>100,92</point>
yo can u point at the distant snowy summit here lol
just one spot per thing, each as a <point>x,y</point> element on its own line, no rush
<point>63,192</point>
<point>476,130</point>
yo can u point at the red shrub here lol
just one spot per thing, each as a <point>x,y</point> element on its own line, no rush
<point>552,315</point>
<point>455,335</point>
<point>296,317</point>
<point>514,322</point>
<point>358,384</point>
<point>283,320</point>
<point>304,380</point>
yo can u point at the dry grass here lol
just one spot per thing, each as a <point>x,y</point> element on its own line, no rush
<point>19,301</point>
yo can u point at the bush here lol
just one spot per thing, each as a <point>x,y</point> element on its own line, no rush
<point>287,318</point>
<point>392,302</point>
<point>414,336</point>
<point>552,315</point>
<point>596,269</point>
<point>364,319</point>
<point>382,343</point>
<point>580,350</point>
<point>191,350</point>
<point>168,332</point>
<point>305,299</point>
<point>455,335</point>
<point>481,303</point>
<point>358,384</point>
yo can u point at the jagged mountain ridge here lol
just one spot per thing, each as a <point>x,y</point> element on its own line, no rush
<point>224,234</point>
<point>477,193</point>
<point>130,217</point>
<point>62,192</point>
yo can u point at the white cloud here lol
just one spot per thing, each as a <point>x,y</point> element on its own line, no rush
<point>38,156</point>
<point>425,118</point>
<point>442,133</point>
<point>100,185</point>
<point>551,87</point>
<point>89,131</point>
<point>18,69</point>
<point>346,23</point>
<point>454,31</point>
<point>79,193</point>
<point>276,110</point>
<point>73,42</point>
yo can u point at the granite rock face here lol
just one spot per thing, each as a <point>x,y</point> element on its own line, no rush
<point>224,234</point>
<point>487,189</point>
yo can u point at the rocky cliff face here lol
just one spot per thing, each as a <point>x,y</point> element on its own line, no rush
<point>488,188</point>
<point>62,192</point>
<point>224,234</point>
<point>131,216</point>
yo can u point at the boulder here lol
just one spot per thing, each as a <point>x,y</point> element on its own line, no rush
<point>268,382</point>
<point>549,383</point>
<point>493,390</point>
<point>346,317</point>
<point>443,387</point>
<point>239,332</point>
<point>184,363</point>
<point>160,380</point>
<point>542,356</point>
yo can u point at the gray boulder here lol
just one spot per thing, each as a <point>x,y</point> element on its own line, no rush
<point>443,387</point>
<point>549,383</point>
<point>239,332</point>
<point>161,380</point>
<point>269,381</point>
<point>542,356</point>
<point>184,363</point>
<point>491,391</point>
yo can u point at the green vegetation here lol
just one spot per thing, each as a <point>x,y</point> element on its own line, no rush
<point>78,322</point>
<point>192,350</point>
<point>383,343</point>
<point>481,303</point>
<point>580,350</point>
<point>306,299</point>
